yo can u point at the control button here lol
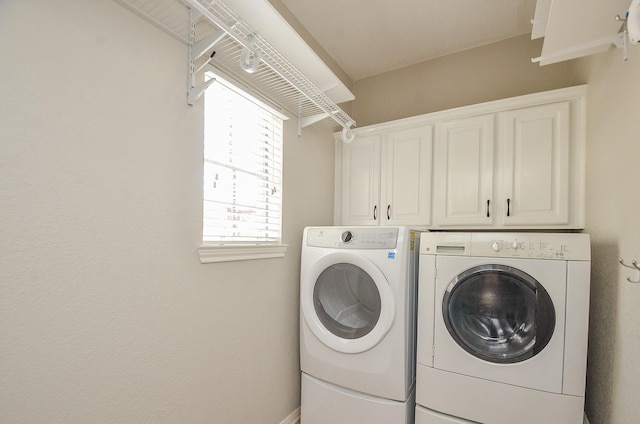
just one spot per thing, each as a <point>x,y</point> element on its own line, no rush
<point>346,237</point>
<point>495,246</point>
<point>515,245</point>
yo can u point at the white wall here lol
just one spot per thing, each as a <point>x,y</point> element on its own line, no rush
<point>107,315</point>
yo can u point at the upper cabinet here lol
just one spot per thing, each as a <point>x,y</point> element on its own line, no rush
<point>535,172</point>
<point>464,171</point>
<point>386,178</point>
<point>406,174</point>
<point>512,164</point>
<point>361,181</point>
<point>517,176</point>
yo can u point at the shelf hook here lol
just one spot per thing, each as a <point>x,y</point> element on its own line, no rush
<point>347,134</point>
<point>635,267</point>
<point>250,59</point>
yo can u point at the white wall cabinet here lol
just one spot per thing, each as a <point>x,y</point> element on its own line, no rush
<point>535,176</point>
<point>516,176</point>
<point>517,163</point>
<point>361,181</point>
<point>464,171</point>
<point>386,178</point>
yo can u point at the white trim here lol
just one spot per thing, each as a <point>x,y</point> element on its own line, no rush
<point>293,418</point>
<point>210,253</point>
<point>577,92</point>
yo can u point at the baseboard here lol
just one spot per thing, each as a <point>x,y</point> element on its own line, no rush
<point>293,418</point>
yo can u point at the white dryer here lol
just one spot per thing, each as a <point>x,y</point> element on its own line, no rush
<point>502,328</point>
<point>357,325</point>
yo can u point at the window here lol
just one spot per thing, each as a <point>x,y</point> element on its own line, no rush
<point>242,207</point>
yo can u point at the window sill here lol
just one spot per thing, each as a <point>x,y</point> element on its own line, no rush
<point>210,253</point>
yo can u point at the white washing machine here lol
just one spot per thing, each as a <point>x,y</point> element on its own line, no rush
<point>357,325</point>
<point>502,328</point>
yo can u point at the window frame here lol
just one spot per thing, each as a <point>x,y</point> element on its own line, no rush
<point>226,251</point>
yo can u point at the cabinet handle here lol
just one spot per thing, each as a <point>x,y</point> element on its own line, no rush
<point>388,211</point>
<point>375,212</point>
<point>508,207</point>
<point>488,203</point>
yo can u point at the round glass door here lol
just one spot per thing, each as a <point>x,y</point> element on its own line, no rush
<point>347,302</point>
<point>498,313</point>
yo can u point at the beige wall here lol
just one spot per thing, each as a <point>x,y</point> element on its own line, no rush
<point>613,202</point>
<point>486,73</point>
<point>106,313</point>
<point>613,199</point>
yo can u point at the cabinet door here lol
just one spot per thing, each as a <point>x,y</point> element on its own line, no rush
<point>536,165</point>
<point>463,172</point>
<point>361,181</point>
<point>406,177</point>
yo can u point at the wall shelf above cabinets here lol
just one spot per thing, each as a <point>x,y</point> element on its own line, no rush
<point>577,28</point>
<point>516,163</point>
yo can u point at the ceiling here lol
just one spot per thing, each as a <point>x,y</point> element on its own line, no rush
<point>369,37</point>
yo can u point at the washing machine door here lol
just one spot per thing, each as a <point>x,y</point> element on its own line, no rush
<point>347,302</point>
<point>498,313</point>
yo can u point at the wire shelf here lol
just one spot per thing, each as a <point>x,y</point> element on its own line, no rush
<point>273,75</point>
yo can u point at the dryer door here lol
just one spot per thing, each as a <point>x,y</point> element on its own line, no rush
<point>498,313</point>
<point>347,302</point>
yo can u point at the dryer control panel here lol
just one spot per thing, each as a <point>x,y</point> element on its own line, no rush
<point>353,237</point>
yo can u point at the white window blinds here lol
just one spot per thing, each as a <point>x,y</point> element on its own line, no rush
<point>242,168</point>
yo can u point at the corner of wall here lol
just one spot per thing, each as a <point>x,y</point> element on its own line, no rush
<point>294,418</point>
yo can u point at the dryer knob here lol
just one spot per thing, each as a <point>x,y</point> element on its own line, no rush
<point>495,246</point>
<point>347,236</point>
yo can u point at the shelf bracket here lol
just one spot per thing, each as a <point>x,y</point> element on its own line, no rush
<point>617,40</point>
<point>195,92</point>
<point>197,49</point>
<point>310,120</point>
<point>202,46</point>
<point>195,52</point>
<point>347,134</point>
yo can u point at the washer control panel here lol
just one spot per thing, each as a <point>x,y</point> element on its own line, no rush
<point>531,245</point>
<point>559,246</point>
<point>353,238</point>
